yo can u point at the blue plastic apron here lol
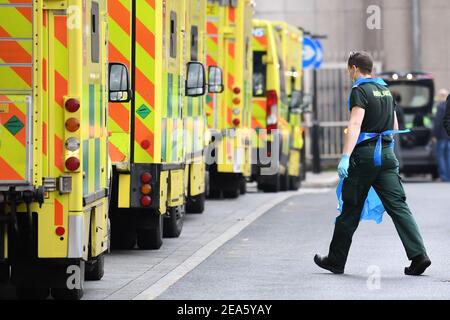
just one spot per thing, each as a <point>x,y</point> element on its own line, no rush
<point>373,207</point>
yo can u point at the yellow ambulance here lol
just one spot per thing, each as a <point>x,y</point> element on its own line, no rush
<point>157,139</point>
<point>53,144</point>
<point>229,38</point>
<point>276,114</point>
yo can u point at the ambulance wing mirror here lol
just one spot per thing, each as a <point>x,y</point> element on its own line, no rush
<point>195,81</point>
<point>215,80</point>
<point>119,83</point>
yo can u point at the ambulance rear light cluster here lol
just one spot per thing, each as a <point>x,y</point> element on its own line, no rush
<point>146,189</point>
<point>236,104</point>
<point>72,125</point>
<point>272,110</point>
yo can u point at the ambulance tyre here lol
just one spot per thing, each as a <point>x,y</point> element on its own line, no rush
<point>232,194</point>
<point>151,238</point>
<point>173,222</point>
<point>272,187</point>
<point>295,183</point>
<point>66,294</point>
<point>196,204</point>
<point>95,268</point>
<point>243,185</point>
<point>32,293</point>
<point>72,294</point>
<point>303,162</point>
<point>284,182</point>
<point>4,273</point>
<point>123,239</point>
<point>214,194</point>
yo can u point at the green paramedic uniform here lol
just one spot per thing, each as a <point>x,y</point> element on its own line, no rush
<point>363,174</point>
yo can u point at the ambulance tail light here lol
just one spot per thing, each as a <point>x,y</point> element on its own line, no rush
<point>146,201</point>
<point>72,105</point>
<point>73,164</point>
<point>272,110</point>
<point>146,189</point>
<point>60,231</point>
<point>72,125</point>
<point>146,178</point>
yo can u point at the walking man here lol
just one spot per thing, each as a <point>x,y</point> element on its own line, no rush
<point>442,139</point>
<point>369,161</point>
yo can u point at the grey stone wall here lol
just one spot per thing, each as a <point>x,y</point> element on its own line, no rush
<point>344,22</point>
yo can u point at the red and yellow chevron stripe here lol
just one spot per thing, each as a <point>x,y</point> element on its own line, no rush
<point>16,77</point>
<point>145,77</point>
<point>119,23</point>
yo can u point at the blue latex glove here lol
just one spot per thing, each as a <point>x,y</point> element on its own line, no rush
<point>344,164</point>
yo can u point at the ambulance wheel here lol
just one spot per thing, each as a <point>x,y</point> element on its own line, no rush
<point>122,232</point>
<point>123,240</point>
<point>95,268</point>
<point>272,187</point>
<point>243,186</point>
<point>67,294</point>
<point>173,222</point>
<point>295,183</point>
<point>196,204</point>
<point>303,163</point>
<point>4,273</point>
<point>32,293</point>
<point>232,194</point>
<point>72,294</point>
<point>214,194</point>
<point>284,182</point>
<point>150,238</point>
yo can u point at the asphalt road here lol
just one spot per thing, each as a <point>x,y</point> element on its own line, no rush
<point>261,246</point>
<point>273,257</point>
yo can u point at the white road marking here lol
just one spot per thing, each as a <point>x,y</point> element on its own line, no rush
<point>202,254</point>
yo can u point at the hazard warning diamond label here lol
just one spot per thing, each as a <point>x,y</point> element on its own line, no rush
<point>14,125</point>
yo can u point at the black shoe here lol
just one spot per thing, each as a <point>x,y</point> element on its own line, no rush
<point>324,263</point>
<point>418,265</point>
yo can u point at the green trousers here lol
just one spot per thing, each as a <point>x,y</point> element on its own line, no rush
<point>386,181</point>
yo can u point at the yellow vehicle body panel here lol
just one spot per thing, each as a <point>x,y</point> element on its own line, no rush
<point>228,46</point>
<point>176,188</point>
<point>124,190</point>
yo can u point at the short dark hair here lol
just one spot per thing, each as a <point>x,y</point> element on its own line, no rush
<point>362,60</point>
